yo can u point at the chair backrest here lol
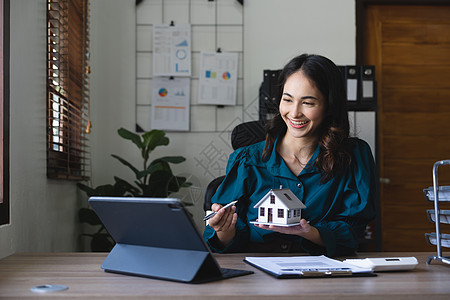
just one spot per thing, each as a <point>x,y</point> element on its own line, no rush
<point>244,134</point>
<point>247,133</point>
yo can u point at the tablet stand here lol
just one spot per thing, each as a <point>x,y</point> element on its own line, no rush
<point>164,263</point>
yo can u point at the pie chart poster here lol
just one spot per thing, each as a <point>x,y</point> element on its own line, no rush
<point>170,103</point>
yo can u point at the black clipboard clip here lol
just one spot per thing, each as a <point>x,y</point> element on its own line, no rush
<point>219,51</point>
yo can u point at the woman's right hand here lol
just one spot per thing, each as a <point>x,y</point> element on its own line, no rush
<point>224,223</point>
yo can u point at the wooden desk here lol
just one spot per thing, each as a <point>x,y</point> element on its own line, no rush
<point>81,272</point>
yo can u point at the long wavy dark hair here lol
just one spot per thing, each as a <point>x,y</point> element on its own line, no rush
<point>334,131</point>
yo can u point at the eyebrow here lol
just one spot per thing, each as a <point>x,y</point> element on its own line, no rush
<point>303,98</point>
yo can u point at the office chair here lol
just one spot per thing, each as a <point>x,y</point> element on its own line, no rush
<point>244,134</point>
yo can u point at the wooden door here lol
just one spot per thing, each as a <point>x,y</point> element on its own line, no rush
<point>410,48</point>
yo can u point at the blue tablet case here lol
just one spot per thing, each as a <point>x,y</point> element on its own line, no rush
<point>156,237</point>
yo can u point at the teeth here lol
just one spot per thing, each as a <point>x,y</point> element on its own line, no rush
<point>298,123</point>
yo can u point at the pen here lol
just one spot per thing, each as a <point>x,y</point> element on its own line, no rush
<point>215,212</point>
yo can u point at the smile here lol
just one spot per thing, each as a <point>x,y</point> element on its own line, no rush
<point>298,124</point>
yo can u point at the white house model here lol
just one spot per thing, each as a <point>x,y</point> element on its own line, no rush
<point>279,207</point>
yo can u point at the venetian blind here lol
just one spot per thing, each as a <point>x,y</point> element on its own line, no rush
<point>68,89</point>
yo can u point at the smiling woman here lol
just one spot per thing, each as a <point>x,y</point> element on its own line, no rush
<point>4,112</point>
<point>308,151</point>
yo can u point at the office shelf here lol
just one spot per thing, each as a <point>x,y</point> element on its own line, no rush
<point>438,194</point>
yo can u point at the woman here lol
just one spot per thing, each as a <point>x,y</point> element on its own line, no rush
<point>308,150</point>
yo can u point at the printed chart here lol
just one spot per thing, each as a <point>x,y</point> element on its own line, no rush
<point>218,78</point>
<point>172,50</point>
<point>170,108</point>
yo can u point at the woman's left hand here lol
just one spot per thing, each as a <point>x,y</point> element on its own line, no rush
<point>303,229</point>
<point>299,229</point>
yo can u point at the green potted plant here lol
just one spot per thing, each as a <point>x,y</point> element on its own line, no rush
<point>153,179</point>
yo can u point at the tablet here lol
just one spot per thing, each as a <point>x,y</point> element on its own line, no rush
<point>156,237</point>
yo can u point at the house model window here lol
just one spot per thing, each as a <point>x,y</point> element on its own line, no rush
<point>286,205</point>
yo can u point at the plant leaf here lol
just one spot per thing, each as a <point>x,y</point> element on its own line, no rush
<point>160,165</point>
<point>173,159</point>
<point>126,163</point>
<point>158,185</point>
<point>108,190</point>
<point>125,186</point>
<point>174,185</point>
<point>135,138</point>
<point>87,189</point>
<point>101,242</point>
<point>105,190</point>
<point>153,139</point>
<point>177,182</point>
<point>87,215</point>
<point>186,184</point>
<point>102,190</point>
<point>156,165</point>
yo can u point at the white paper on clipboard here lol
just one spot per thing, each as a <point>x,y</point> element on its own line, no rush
<point>304,266</point>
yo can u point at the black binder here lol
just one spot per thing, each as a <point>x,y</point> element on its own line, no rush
<point>157,238</point>
<point>269,95</point>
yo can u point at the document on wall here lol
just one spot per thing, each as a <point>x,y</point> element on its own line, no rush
<point>171,50</point>
<point>218,78</point>
<point>170,103</point>
<point>306,266</point>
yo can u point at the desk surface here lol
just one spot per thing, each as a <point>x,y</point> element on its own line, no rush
<point>81,272</point>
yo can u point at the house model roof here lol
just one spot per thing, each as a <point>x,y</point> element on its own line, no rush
<point>287,197</point>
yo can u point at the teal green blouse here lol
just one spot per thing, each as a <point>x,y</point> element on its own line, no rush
<point>340,208</point>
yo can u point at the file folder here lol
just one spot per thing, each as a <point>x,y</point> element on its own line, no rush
<point>367,84</point>
<point>351,80</point>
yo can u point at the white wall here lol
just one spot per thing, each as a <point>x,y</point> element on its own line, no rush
<point>43,212</point>
<point>112,83</point>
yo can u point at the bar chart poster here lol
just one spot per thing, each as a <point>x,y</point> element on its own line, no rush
<point>172,50</point>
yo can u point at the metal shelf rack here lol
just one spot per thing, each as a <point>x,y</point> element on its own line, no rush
<point>438,194</point>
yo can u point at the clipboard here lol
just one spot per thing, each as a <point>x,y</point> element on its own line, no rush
<point>307,267</point>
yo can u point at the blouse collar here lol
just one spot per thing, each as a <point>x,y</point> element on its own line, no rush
<point>277,166</point>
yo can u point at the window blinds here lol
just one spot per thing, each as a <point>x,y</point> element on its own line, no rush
<point>68,155</point>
